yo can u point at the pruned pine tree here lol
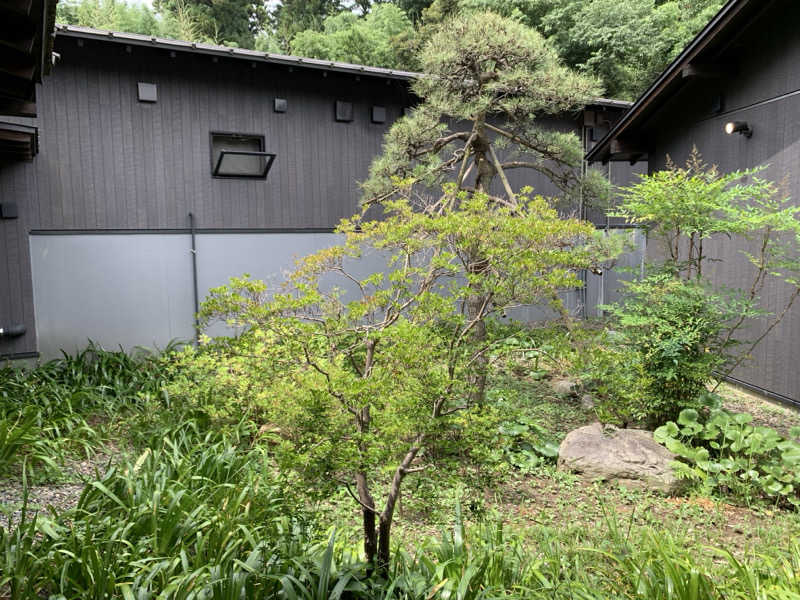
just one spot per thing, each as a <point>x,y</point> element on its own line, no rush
<point>487,80</point>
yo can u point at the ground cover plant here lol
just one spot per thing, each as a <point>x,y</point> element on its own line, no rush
<point>726,451</point>
<point>197,508</point>
<point>58,410</point>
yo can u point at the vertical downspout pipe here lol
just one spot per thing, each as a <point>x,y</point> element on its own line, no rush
<point>584,277</point>
<point>193,232</point>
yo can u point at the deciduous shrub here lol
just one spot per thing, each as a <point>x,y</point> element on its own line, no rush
<point>681,327</point>
<point>669,343</point>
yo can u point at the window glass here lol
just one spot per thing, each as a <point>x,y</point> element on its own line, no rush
<point>234,155</point>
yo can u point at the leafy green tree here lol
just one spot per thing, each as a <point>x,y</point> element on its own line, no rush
<point>290,17</point>
<point>115,15</point>
<point>681,327</point>
<point>626,43</point>
<point>381,38</point>
<point>341,380</point>
<point>229,22</point>
<point>413,8</point>
<point>180,22</point>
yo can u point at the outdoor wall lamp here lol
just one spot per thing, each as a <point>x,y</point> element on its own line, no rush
<point>741,127</point>
<point>13,331</point>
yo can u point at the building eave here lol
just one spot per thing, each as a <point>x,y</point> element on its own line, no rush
<point>135,39</point>
<point>734,13</point>
<point>26,44</point>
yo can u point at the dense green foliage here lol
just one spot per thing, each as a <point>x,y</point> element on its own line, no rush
<point>727,453</point>
<point>626,44</point>
<point>670,331</point>
<point>679,332</point>
<point>381,38</point>
<point>623,43</point>
<point>232,22</point>
<point>51,411</point>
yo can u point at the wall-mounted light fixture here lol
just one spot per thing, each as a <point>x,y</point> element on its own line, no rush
<point>12,331</point>
<point>741,127</point>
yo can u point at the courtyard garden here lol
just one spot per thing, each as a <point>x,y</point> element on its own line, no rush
<point>393,433</point>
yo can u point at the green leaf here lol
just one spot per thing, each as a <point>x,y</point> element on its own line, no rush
<point>688,416</point>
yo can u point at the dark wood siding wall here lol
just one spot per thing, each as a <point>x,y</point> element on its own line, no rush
<point>765,92</point>
<point>110,162</point>
<point>16,287</point>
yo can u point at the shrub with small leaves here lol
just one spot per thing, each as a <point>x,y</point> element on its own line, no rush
<point>727,453</point>
<point>672,330</point>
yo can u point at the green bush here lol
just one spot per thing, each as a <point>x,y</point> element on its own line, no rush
<point>613,373</point>
<point>728,454</point>
<point>669,343</point>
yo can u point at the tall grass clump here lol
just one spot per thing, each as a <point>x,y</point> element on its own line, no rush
<point>204,518</point>
<point>196,518</point>
<point>56,407</point>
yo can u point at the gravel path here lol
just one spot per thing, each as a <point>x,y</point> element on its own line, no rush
<point>61,496</point>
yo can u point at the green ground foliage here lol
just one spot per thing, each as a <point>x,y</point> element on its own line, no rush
<point>194,506</point>
<point>67,407</point>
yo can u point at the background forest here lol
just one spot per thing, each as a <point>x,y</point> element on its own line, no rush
<point>625,43</point>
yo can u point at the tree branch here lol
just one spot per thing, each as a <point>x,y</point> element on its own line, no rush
<point>364,506</point>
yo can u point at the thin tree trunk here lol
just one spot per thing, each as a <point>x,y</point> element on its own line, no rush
<point>385,522</point>
<point>476,303</point>
<point>367,502</point>
<point>368,518</point>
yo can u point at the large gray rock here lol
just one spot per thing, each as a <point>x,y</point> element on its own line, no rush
<point>629,456</point>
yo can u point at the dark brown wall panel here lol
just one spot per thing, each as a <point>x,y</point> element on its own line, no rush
<point>16,290</point>
<point>765,92</point>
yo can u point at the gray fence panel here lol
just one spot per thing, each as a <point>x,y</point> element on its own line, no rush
<point>137,289</point>
<point>128,290</point>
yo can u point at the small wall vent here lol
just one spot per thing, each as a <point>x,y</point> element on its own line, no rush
<point>379,114</point>
<point>148,92</point>
<point>8,210</point>
<point>344,111</point>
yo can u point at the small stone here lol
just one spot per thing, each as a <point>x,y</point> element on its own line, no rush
<point>587,402</point>
<point>564,387</point>
<point>628,456</point>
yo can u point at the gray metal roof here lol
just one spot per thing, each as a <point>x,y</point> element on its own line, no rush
<point>137,39</point>
<point>254,55</point>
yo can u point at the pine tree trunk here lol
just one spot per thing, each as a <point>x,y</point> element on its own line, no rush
<point>476,303</point>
